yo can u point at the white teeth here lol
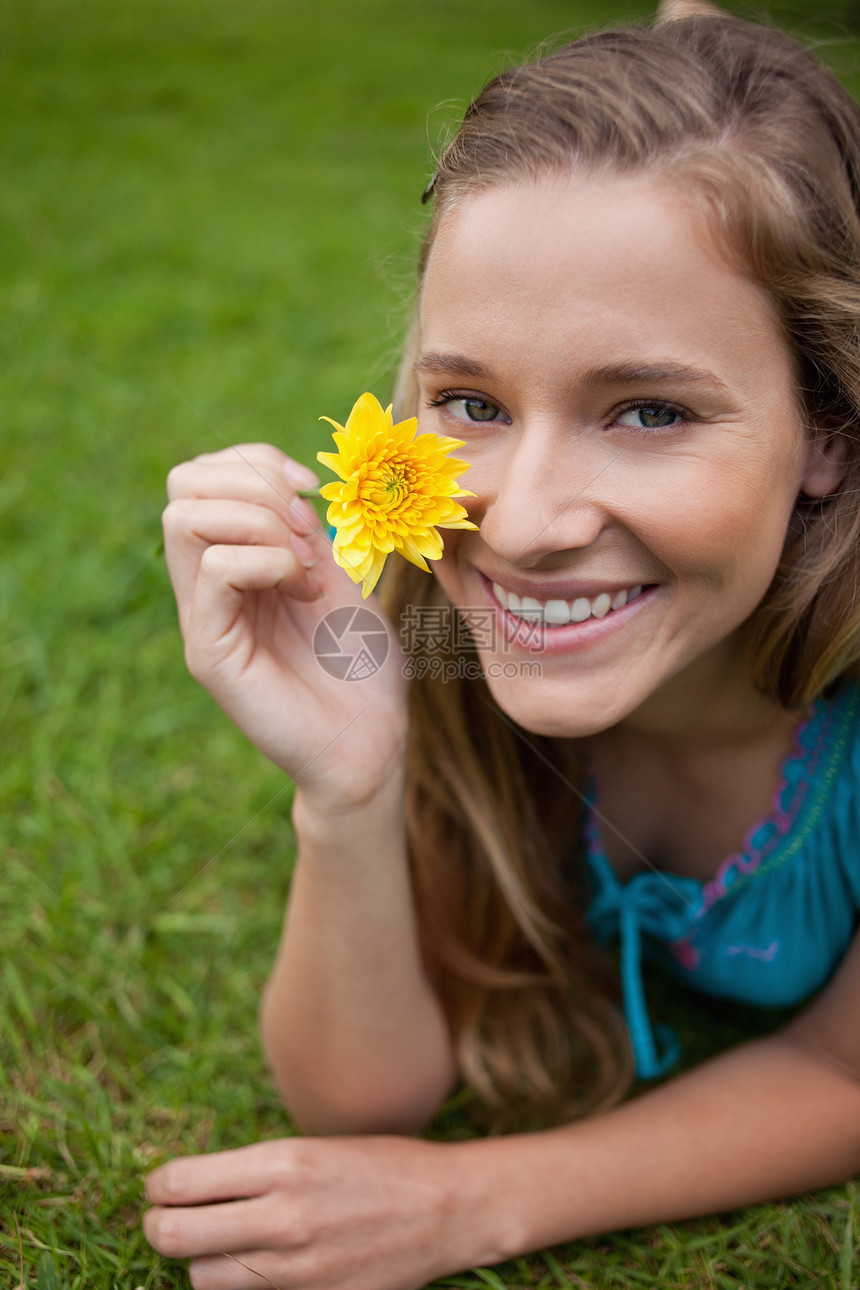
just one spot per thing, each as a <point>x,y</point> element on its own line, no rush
<point>559,612</point>
<point>510,599</point>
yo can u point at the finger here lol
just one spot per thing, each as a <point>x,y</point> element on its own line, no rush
<point>194,523</point>
<point>242,480</point>
<point>264,455</point>
<point>236,1225</point>
<point>224,1175</point>
<point>223,480</point>
<point>231,476</point>
<point>191,525</point>
<point>245,1270</point>
<point>227,573</point>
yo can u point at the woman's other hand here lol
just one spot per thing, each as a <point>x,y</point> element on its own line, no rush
<point>363,1213</point>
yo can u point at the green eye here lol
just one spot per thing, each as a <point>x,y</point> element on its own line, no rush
<point>656,416</point>
<point>469,407</point>
<point>651,416</point>
<point>478,410</point>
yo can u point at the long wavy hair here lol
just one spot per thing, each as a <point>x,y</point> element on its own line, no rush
<point>757,132</point>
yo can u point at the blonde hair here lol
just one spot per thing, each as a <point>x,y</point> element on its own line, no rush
<point>767,141</point>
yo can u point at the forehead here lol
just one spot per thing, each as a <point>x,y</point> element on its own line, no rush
<point>589,271</point>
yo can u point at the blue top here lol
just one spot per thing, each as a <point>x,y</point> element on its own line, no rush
<point>772,924</point>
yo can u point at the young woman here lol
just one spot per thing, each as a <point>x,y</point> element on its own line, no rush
<point>639,308</point>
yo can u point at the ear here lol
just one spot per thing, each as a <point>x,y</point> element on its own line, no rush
<point>826,462</point>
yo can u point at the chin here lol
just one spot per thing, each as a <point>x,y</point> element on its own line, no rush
<point>540,710</point>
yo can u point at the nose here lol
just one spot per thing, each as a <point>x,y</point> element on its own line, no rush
<point>540,497</point>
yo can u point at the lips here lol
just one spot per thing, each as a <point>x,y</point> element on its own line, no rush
<point>533,632</point>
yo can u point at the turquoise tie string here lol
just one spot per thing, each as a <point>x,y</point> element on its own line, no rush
<point>664,908</point>
<point>649,1063</point>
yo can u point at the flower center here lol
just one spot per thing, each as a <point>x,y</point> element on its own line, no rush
<point>390,484</point>
<point>396,485</point>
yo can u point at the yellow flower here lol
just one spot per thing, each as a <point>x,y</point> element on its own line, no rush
<point>396,487</point>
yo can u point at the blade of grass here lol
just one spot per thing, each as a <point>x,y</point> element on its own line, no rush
<point>490,1278</point>
<point>847,1262</point>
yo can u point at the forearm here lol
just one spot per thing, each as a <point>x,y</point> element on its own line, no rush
<point>760,1122</point>
<point>354,1033</point>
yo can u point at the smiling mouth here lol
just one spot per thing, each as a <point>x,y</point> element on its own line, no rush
<point>558,613</point>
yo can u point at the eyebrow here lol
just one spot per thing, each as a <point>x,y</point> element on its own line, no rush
<point>610,374</point>
<point>453,364</point>
<point>628,373</point>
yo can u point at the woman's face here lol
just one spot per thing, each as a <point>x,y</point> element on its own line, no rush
<point>628,411</point>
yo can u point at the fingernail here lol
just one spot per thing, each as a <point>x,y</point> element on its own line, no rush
<point>304,551</point>
<point>300,475</point>
<point>303,516</point>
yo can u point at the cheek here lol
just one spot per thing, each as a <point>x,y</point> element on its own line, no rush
<point>727,529</point>
<point>484,457</point>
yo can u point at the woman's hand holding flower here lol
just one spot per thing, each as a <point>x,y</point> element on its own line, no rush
<point>239,542</point>
<point>254,574</point>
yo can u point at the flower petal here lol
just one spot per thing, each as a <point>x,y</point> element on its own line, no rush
<point>372,577</point>
<point>396,487</point>
<point>427,543</point>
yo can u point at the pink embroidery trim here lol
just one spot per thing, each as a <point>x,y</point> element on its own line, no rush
<point>686,953</point>
<point>787,801</point>
<point>788,798</point>
<point>801,772</point>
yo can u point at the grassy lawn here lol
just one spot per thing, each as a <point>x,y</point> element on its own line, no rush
<point>220,200</point>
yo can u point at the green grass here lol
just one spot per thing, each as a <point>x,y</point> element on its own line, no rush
<point>222,198</point>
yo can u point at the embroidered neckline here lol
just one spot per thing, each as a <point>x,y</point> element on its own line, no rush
<point>807,776</point>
